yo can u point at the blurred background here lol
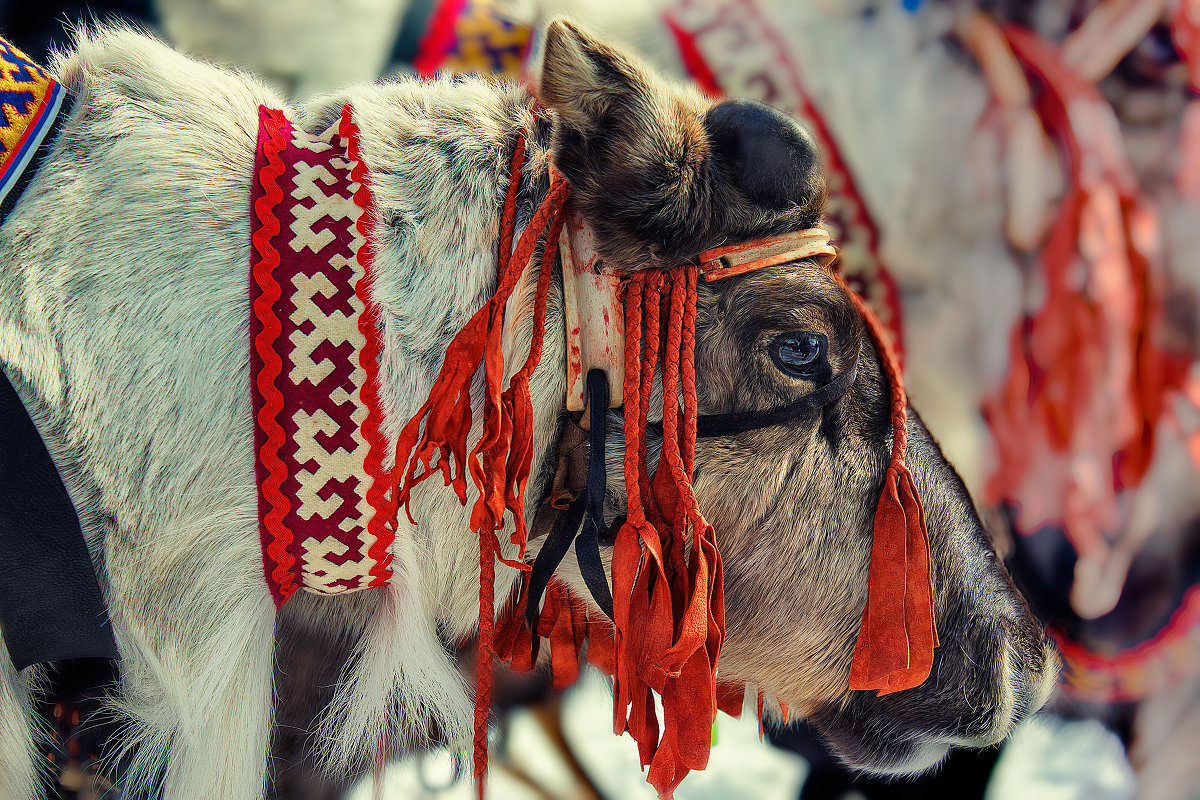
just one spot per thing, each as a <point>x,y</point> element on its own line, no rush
<point>1015,189</point>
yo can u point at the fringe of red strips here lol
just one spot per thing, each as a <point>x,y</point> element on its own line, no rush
<point>499,464</point>
<point>668,600</point>
<point>669,608</point>
<point>898,633</point>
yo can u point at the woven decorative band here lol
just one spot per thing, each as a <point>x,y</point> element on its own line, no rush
<point>323,493</point>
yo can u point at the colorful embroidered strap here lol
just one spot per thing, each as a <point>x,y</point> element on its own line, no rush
<point>30,104</point>
<point>323,493</point>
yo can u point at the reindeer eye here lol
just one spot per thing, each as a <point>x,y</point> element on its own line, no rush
<point>799,354</point>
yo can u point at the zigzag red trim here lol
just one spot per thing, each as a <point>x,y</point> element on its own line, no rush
<point>380,551</point>
<point>273,504</point>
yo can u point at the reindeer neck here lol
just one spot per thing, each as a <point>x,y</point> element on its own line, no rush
<point>439,155</point>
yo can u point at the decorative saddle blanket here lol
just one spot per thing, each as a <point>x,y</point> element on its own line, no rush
<point>323,493</point>
<point>50,603</point>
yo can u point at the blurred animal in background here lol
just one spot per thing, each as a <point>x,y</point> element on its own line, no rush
<point>130,336</point>
<point>302,48</point>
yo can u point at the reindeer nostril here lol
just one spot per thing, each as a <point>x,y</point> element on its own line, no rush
<point>772,160</point>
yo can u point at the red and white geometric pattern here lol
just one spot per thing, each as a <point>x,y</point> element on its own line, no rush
<point>323,493</point>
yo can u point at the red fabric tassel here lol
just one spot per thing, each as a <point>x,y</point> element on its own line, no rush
<point>898,633</point>
<point>1076,421</point>
<point>499,463</point>
<point>667,598</point>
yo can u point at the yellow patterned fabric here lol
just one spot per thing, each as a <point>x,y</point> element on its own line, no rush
<point>29,103</point>
<point>23,87</point>
<point>487,43</point>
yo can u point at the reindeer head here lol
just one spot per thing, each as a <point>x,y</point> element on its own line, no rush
<point>661,173</point>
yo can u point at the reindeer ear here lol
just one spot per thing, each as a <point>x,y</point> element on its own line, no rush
<point>585,80</point>
<point>633,148</point>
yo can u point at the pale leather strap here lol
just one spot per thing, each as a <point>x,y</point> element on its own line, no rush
<point>738,259</point>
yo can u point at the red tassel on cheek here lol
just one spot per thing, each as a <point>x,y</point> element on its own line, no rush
<point>898,633</point>
<point>896,641</point>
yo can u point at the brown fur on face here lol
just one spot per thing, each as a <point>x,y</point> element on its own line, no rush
<point>661,174</point>
<point>655,180</point>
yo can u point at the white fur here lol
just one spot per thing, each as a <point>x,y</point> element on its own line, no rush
<point>19,734</point>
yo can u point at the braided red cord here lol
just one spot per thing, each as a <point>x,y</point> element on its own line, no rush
<point>669,610</point>
<point>654,283</point>
<point>515,416</point>
<point>674,483</point>
<point>483,676</point>
<point>626,550</point>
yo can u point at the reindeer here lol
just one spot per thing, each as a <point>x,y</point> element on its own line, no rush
<point>125,333</point>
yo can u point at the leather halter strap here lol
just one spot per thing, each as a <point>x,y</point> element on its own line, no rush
<point>738,259</point>
<point>735,422</point>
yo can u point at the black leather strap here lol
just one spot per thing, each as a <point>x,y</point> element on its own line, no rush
<point>587,545</point>
<point>50,603</point>
<point>588,509</point>
<point>709,425</point>
<point>554,549</point>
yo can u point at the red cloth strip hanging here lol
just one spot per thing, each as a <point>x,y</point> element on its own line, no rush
<point>1075,422</point>
<point>669,612</point>
<point>499,463</point>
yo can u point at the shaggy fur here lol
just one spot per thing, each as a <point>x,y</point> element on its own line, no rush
<point>124,327</point>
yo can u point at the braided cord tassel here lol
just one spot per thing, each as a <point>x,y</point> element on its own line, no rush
<point>499,464</point>
<point>898,633</point>
<point>668,601</point>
